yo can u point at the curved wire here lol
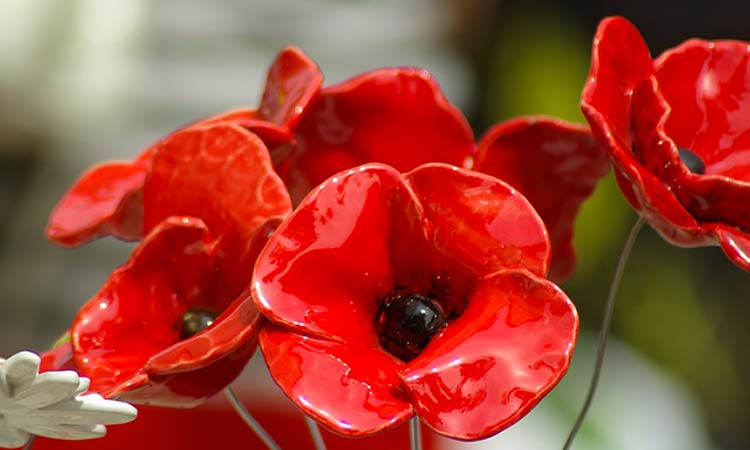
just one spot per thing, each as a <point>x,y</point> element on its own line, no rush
<point>317,438</point>
<point>604,333</point>
<point>250,420</point>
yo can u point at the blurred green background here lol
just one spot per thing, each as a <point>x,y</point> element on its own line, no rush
<point>87,80</point>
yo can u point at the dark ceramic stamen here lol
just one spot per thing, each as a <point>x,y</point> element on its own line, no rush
<point>692,161</point>
<point>195,320</point>
<point>407,322</point>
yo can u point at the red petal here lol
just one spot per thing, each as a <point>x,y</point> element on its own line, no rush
<point>706,85</point>
<point>223,175</point>
<point>60,357</point>
<point>736,245</point>
<point>480,221</point>
<point>555,165</point>
<point>236,325</point>
<point>137,312</point>
<point>293,81</point>
<point>270,133</point>
<point>494,363</point>
<point>327,266</point>
<point>620,64</point>
<point>620,60</point>
<point>90,208</point>
<point>350,389</point>
<point>395,116</point>
<point>191,385</point>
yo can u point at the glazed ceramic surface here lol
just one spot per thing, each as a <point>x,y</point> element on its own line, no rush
<point>51,404</point>
<point>678,131</point>
<point>209,201</point>
<point>463,238</point>
<point>556,166</point>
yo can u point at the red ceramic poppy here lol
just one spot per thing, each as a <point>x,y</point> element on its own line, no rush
<point>396,116</point>
<point>556,165</point>
<point>175,324</point>
<point>391,295</point>
<point>678,131</point>
<point>107,199</point>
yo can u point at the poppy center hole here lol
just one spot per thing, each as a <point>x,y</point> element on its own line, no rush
<point>195,320</point>
<point>692,161</point>
<point>406,323</point>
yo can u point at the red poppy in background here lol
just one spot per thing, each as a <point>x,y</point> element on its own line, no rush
<point>396,116</point>
<point>175,324</point>
<point>391,295</point>
<point>108,198</point>
<point>556,166</point>
<point>678,131</point>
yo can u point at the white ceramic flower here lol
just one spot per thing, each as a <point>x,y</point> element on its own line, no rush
<point>51,404</point>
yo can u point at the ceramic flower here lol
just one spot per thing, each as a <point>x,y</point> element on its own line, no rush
<point>175,324</point>
<point>396,116</point>
<point>677,129</point>
<point>51,404</point>
<point>108,198</point>
<point>392,294</point>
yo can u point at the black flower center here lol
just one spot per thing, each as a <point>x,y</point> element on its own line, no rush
<point>195,320</point>
<point>692,161</point>
<point>407,322</point>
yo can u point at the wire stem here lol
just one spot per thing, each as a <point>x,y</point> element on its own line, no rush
<point>250,420</point>
<point>415,434</point>
<point>30,442</point>
<point>317,438</point>
<point>604,333</point>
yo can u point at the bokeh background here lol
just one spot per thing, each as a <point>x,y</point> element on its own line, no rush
<point>88,80</point>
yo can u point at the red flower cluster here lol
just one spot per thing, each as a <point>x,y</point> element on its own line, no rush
<point>678,131</point>
<point>365,251</point>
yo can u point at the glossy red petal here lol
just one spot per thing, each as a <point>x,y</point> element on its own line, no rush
<point>188,387</point>
<point>270,133</point>
<point>235,326</point>
<point>60,357</point>
<point>495,362</point>
<point>326,268</point>
<point>621,64</point>
<point>396,116</point>
<point>223,175</point>
<point>138,311</point>
<point>736,245</point>
<point>706,85</point>
<point>350,389</point>
<point>620,60</point>
<point>480,221</point>
<point>90,208</point>
<point>293,82</point>
<point>555,165</point>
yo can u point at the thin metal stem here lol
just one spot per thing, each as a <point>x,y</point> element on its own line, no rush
<point>250,420</point>
<point>317,438</point>
<point>30,442</point>
<point>604,333</point>
<point>415,434</point>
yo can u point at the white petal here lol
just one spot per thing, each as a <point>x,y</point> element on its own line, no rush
<point>94,409</point>
<point>20,371</point>
<point>11,437</point>
<point>83,385</point>
<point>86,411</point>
<point>47,389</point>
<point>68,432</point>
